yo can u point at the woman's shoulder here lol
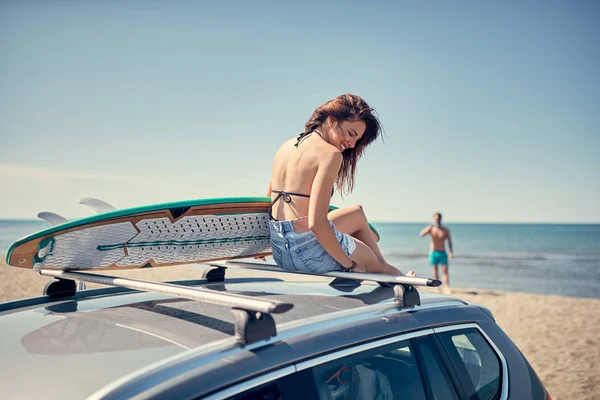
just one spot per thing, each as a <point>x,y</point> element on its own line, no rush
<point>328,157</point>
<point>326,153</point>
<point>317,150</point>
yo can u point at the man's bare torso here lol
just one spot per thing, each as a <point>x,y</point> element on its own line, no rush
<point>438,238</point>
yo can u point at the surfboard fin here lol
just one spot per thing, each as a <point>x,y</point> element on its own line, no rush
<point>97,205</point>
<point>52,218</point>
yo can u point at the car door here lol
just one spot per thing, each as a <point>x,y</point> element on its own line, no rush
<point>474,361</point>
<point>401,367</point>
<point>448,363</point>
<point>404,367</point>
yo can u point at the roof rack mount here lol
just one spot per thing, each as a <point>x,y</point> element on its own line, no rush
<point>356,276</point>
<point>404,287</point>
<point>253,321</point>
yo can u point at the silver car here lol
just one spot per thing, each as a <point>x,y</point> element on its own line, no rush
<point>255,338</point>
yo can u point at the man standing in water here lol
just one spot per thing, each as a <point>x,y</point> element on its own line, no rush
<point>437,250</point>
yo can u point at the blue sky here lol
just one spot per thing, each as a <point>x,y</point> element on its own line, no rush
<point>491,109</point>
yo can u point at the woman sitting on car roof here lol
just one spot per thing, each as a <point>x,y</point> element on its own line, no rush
<point>305,235</point>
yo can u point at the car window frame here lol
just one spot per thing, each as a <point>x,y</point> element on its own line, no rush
<point>252,383</point>
<point>360,348</point>
<point>296,368</point>
<point>460,377</point>
<point>419,334</point>
<point>432,342</point>
<point>377,350</point>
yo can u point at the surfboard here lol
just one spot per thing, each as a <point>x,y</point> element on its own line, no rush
<point>186,232</point>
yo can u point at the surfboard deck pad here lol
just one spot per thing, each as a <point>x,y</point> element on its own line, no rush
<point>153,236</point>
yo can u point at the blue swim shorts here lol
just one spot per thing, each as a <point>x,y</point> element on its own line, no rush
<point>438,257</point>
<point>302,252</point>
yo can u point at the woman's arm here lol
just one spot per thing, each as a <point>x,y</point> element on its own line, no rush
<point>318,208</point>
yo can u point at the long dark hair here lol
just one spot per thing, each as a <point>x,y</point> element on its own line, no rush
<point>347,107</point>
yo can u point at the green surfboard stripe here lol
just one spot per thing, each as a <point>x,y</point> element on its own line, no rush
<point>179,242</point>
<point>144,209</point>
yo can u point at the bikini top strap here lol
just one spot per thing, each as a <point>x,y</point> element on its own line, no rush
<point>286,197</point>
<point>272,203</point>
<point>303,136</point>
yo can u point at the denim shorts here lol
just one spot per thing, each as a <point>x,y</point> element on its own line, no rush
<point>302,252</point>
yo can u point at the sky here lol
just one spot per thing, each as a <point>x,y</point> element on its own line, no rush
<point>491,109</point>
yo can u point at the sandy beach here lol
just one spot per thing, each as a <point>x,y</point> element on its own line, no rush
<point>558,335</point>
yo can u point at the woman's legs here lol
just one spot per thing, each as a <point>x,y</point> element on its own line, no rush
<point>367,261</point>
<point>352,221</point>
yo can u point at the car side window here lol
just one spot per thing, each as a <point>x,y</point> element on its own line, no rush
<point>289,387</point>
<point>475,361</point>
<point>268,391</point>
<point>383,373</point>
<point>437,381</point>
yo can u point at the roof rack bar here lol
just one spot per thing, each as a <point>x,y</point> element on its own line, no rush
<point>381,278</point>
<point>230,300</point>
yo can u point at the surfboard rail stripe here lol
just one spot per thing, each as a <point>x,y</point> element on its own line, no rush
<point>142,210</point>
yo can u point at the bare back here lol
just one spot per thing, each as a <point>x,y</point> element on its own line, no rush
<point>294,170</point>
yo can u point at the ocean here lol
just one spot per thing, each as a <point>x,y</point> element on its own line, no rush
<point>535,258</point>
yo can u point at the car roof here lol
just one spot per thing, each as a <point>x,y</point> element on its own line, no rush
<point>77,345</point>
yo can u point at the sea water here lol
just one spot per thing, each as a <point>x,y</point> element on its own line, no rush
<point>537,258</point>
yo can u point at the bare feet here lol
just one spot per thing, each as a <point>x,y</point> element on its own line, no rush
<point>411,273</point>
<point>447,290</point>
